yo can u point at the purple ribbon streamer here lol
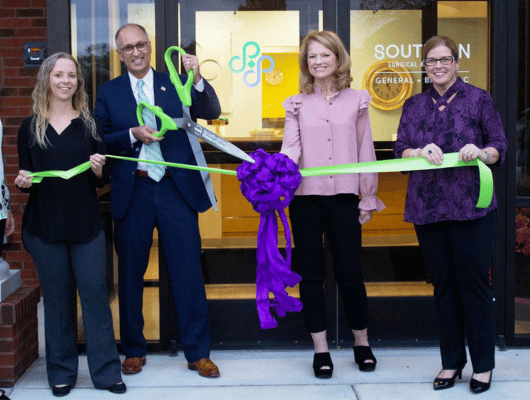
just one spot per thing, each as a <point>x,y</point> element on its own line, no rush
<point>269,185</point>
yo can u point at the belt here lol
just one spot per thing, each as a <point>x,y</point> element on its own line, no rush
<point>143,174</point>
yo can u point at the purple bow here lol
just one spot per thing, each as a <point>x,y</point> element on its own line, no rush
<point>269,185</point>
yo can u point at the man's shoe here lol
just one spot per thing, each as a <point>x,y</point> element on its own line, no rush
<point>133,365</point>
<point>205,367</point>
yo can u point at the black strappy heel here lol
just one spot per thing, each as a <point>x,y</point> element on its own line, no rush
<point>363,354</point>
<point>321,360</point>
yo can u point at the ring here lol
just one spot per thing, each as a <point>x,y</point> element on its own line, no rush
<point>429,152</point>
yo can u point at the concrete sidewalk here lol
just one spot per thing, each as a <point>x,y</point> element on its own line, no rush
<point>401,374</point>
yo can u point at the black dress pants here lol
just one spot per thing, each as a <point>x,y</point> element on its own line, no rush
<point>338,216</point>
<point>58,265</point>
<point>458,256</point>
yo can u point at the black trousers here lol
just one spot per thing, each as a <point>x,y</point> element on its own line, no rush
<point>58,264</point>
<point>338,216</point>
<point>458,256</point>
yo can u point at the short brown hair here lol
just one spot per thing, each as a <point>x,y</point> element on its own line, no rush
<point>436,41</point>
<point>331,41</point>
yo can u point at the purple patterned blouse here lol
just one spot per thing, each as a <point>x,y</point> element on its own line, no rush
<point>470,117</point>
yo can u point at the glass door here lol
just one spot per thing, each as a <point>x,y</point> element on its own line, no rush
<point>248,52</point>
<point>93,25</point>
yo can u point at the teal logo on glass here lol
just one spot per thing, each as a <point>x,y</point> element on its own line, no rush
<point>247,60</point>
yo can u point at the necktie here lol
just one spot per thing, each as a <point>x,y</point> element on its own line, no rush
<point>152,151</point>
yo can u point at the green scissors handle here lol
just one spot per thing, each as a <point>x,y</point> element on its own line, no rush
<point>184,91</point>
<point>167,123</point>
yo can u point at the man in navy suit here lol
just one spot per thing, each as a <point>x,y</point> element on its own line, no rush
<point>171,201</point>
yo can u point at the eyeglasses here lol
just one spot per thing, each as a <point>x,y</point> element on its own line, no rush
<point>129,49</point>
<point>444,61</point>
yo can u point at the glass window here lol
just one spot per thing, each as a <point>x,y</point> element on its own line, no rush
<point>94,24</point>
<point>522,215</point>
<point>385,48</point>
<point>249,54</point>
<point>523,104</point>
<point>466,22</point>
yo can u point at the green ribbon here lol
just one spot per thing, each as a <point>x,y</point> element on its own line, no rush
<point>413,164</point>
<point>402,164</point>
<point>36,177</point>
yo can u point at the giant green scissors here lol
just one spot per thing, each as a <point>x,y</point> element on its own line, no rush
<point>186,123</point>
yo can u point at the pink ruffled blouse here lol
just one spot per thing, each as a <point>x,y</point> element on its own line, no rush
<point>318,133</point>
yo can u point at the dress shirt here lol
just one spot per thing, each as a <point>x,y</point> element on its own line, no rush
<point>470,117</point>
<point>150,92</point>
<point>320,133</point>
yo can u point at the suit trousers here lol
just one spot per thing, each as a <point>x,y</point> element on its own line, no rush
<point>160,204</point>
<point>458,256</point>
<point>58,265</point>
<point>338,216</point>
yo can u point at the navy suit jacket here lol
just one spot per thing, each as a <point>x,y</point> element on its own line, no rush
<point>116,109</point>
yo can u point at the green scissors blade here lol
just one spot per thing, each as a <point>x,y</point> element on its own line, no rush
<point>167,123</point>
<point>184,91</point>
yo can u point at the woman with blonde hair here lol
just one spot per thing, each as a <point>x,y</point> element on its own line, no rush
<point>327,124</point>
<point>62,226</point>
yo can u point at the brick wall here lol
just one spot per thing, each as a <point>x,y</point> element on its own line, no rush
<point>20,21</point>
<point>19,337</point>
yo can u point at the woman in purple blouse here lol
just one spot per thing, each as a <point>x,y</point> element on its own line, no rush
<point>455,237</point>
<point>327,124</point>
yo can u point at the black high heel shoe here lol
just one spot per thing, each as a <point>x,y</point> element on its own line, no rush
<point>61,391</point>
<point>321,360</point>
<point>478,386</point>
<point>118,388</point>
<point>446,383</point>
<point>362,354</point>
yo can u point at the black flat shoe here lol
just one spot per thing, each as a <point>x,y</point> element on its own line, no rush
<point>118,388</point>
<point>446,383</point>
<point>60,391</point>
<point>321,360</point>
<point>478,386</point>
<point>362,354</point>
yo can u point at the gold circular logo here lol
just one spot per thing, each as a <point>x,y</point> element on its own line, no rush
<point>388,85</point>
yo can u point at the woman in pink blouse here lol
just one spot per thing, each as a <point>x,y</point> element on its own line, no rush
<point>327,124</point>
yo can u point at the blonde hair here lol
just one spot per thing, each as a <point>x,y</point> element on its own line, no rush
<point>41,98</point>
<point>331,41</point>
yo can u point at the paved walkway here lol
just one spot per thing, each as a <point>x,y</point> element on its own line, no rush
<point>401,374</point>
